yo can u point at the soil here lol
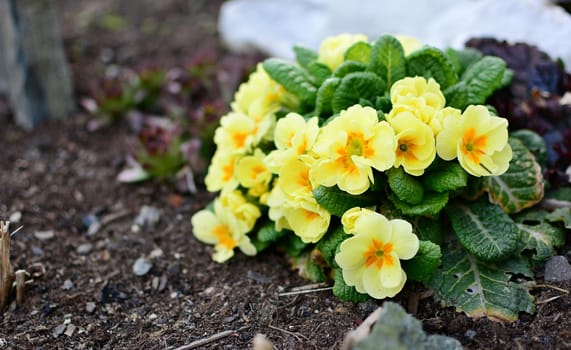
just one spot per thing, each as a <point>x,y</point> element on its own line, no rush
<point>83,293</point>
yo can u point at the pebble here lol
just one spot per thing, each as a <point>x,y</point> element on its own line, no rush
<point>59,330</point>
<point>44,235</point>
<point>142,266</point>
<point>557,269</point>
<point>15,217</point>
<point>70,329</point>
<point>92,223</point>
<point>90,307</point>
<point>67,285</point>
<point>84,249</point>
<point>156,253</point>
<point>148,217</point>
<point>470,334</point>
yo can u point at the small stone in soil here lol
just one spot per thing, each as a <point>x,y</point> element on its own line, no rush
<point>156,253</point>
<point>59,330</point>
<point>84,249</point>
<point>70,329</point>
<point>44,235</point>
<point>67,285</point>
<point>37,250</point>
<point>92,223</point>
<point>557,269</point>
<point>470,334</point>
<point>142,266</point>
<point>15,217</point>
<point>90,307</point>
<point>148,217</point>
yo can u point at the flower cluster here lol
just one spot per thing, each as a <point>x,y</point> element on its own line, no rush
<point>306,145</point>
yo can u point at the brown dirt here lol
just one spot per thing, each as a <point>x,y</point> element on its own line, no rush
<point>60,173</point>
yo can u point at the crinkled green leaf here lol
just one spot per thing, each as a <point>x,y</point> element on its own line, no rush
<point>328,244</point>
<point>507,78</point>
<point>482,289</point>
<point>359,51</point>
<point>430,62</point>
<point>427,229</point>
<point>348,67</point>
<point>534,142</point>
<point>462,59</point>
<point>325,94</point>
<point>293,245</point>
<point>292,78</point>
<point>521,186</point>
<point>337,201</point>
<point>354,87</point>
<point>345,292</point>
<point>421,267</point>
<point>482,78</point>
<point>397,330</point>
<point>561,214</point>
<point>307,269</point>
<point>457,96</point>
<point>268,233</point>
<point>448,176</point>
<point>319,71</point>
<point>484,229</point>
<point>432,203</point>
<point>387,60</point>
<point>537,234</point>
<point>304,56</point>
<point>383,103</point>
<point>406,187</point>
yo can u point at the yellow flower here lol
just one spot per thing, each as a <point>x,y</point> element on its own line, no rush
<point>277,201</point>
<point>252,171</point>
<point>236,133</point>
<point>350,217</point>
<point>244,212</point>
<point>223,230</point>
<point>260,96</point>
<point>221,172</point>
<point>478,139</point>
<point>294,179</point>
<point>332,49</point>
<point>416,147</point>
<point>308,220</point>
<point>416,95</point>
<point>370,260</point>
<point>438,121</point>
<point>350,146</point>
<point>293,136</point>
<point>409,43</point>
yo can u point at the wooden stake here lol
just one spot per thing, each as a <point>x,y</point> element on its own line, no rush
<point>6,271</point>
<point>20,286</point>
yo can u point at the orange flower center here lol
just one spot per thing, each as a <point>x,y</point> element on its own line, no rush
<point>256,171</point>
<point>228,171</point>
<point>406,150</point>
<point>378,254</point>
<point>472,145</point>
<point>222,233</point>
<point>239,139</point>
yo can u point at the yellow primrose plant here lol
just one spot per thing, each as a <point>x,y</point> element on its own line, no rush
<point>374,163</point>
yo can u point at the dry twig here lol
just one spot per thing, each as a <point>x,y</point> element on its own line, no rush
<point>210,339</point>
<point>6,271</point>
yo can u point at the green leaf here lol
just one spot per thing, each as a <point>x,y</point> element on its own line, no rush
<point>484,229</point>
<point>448,176</point>
<point>359,51</point>
<point>406,187</point>
<point>537,234</point>
<point>521,186</point>
<point>304,56</point>
<point>482,78</point>
<point>561,214</point>
<point>354,87</point>
<point>325,97</point>
<point>328,244</point>
<point>427,229</point>
<point>268,233</point>
<point>319,71</point>
<point>387,60</point>
<point>424,263</point>
<point>348,67</point>
<point>507,77</point>
<point>534,142</point>
<point>462,59</point>
<point>482,289</point>
<point>294,246</point>
<point>430,62</point>
<point>383,103</point>
<point>337,201</point>
<point>292,78</point>
<point>307,269</point>
<point>457,95</point>
<point>431,205</point>
<point>345,292</point>
<point>397,330</point>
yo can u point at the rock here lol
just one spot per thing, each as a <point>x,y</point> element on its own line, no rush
<point>148,218</point>
<point>59,330</point>
<point>84,249</point>
<point>92,223</point>
<point>90,307</point>
<point>70,329</point>
<point>67,285</point>
<point>557,269</point>
<point>247,24</point>
<point>44,235</point>
<point>142,266</point>
<point>15,217</point>
<point>156,253</point>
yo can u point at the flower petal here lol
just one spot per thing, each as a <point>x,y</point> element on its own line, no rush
<point>391,271</point>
